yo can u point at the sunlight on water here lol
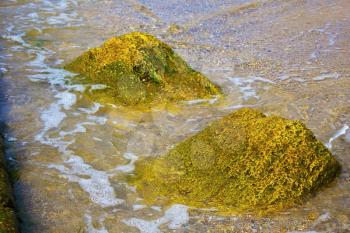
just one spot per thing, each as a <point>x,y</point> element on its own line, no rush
<point>74,153</point>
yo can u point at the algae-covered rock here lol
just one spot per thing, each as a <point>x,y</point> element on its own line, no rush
<point>7,214</point>
<point>138,68</point>
<point>244,162</point>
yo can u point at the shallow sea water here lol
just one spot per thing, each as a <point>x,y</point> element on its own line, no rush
<point>69,155</point>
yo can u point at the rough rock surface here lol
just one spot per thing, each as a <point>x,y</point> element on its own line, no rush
<point>7,215</point>
<point>138,68</point>
<point>244,162</point>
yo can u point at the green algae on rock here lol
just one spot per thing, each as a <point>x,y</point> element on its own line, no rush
<point>138,68</point>
<point>7,214</point>
<point>245,162</point>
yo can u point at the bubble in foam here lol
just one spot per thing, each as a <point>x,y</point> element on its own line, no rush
<point>52,117</point>
<point>94,182</point>
<point>66,99</point>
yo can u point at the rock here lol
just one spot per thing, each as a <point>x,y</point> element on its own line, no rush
<point>138,68</point>
<point>7,214</point>
<point>245,162</point>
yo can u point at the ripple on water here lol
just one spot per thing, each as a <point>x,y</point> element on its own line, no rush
<point>94,182</point>
<point>130,166</point>
<point>337,134</point>
<point>58,131</point>
<point>90,225</point>
<point>245,85</point>
<point>54,115</point>
<point>175,217</point>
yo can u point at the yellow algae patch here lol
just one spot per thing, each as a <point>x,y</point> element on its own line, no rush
<point>244,162</point>
<point>138,68</point>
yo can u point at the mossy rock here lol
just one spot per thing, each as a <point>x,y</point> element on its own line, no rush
<point>245,162</point>
<point>138,68</point>
<point>7,214</point>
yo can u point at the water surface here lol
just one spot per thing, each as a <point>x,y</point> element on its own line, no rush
<point>71,154</point>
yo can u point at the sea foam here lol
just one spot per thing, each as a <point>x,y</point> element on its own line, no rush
<point>175,217</point>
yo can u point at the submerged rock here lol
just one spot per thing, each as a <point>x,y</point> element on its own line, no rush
<point>245,162</point>
<point>138,68</point>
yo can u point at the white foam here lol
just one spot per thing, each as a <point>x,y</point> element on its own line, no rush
<point>52,116</point>
<point>59,61</point>
<point>11,139</point>
<point>79,128</point>
<point>62,18</point>
<point>156,208</point>
<point>39,60</point>
<point>94,182</point>
<point>66,99</point>
<point>339,133</point>
<point>321,30</point>
<point>53,76</point>
<point>326,76</point>
<point>3,70</point>
<point>138,207</point>
<point>98,87</point>
<point>33,15</point>
<point>77,87</point>
<point>98,119</point>
<point>143,225</point>
<point>130,166</point>
<point>200,101</point>
<point>245,85</point>
<point>17,38</point>
<point>92,110</point>
<point>57,5</point>
<point>10,28</point>
<point>238,106</point>
<point>284,77</point>
<point>175,217</point>
<point>292,76</point>
<point>59,14</point>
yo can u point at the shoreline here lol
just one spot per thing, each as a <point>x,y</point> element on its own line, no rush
<point>66,154</point>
